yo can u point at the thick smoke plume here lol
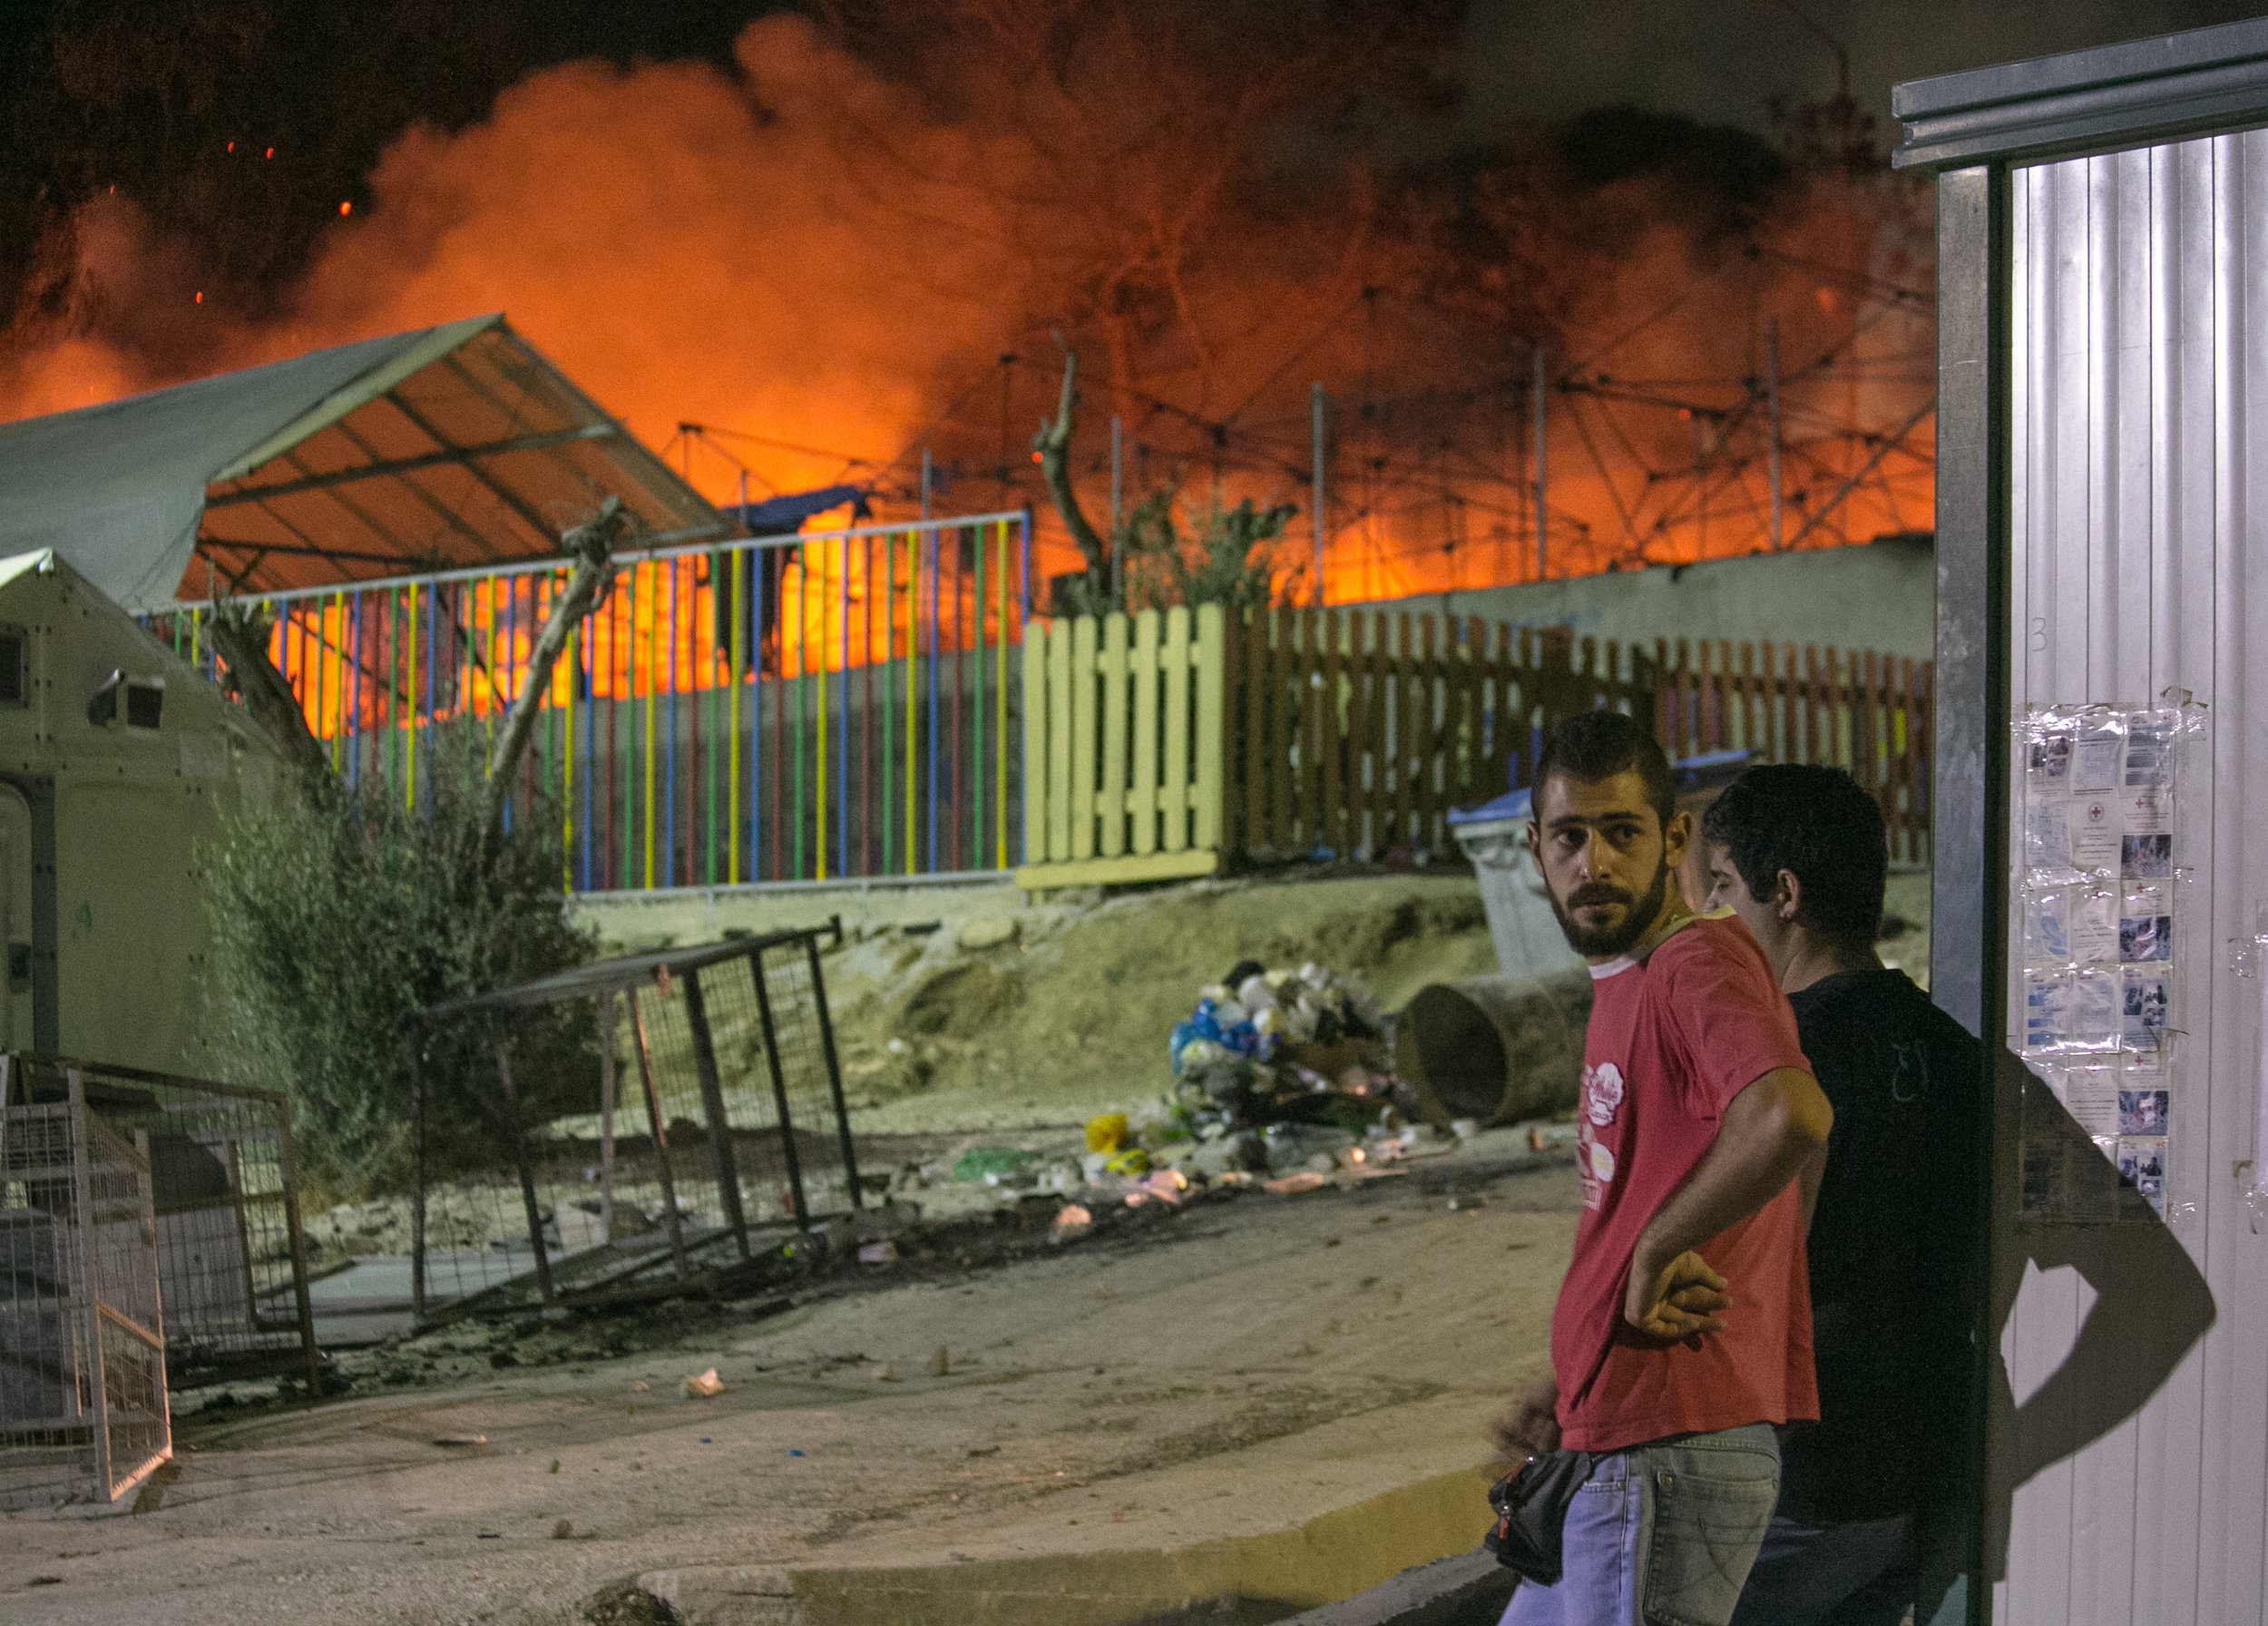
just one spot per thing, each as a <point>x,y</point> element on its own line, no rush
<point>860,254</point>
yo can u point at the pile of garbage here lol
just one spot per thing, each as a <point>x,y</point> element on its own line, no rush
<point>1283,1080</point>
<point>1270,1062</point>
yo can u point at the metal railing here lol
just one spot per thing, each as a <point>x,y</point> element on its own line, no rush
<point>777,708</point>
<point>625,1127</point>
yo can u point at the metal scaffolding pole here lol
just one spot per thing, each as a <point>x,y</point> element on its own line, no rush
<point>1117,495</point>
<point>1315,515</point>
<point>1771,411</point>
<point>1543,523</point>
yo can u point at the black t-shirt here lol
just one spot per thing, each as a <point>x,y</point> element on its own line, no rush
<point>1887,1249</point>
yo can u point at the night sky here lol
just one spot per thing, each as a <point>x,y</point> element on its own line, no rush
<point>103,93</point>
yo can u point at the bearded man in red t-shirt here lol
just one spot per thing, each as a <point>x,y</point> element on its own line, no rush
<point>1683,1328</point>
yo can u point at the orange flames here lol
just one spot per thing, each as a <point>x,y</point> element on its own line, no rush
<point>807,252</point>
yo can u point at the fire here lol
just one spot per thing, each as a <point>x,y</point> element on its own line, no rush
<point>806,251</point>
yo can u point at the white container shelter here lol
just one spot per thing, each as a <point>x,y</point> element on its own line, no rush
<point>2103,537</point>
<point>117,762</point>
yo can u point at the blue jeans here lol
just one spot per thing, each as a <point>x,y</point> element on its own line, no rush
<point>1662,1535</point>
<point>1857,1573</point>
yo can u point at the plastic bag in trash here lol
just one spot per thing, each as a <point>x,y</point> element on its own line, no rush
<point>999,1161</point>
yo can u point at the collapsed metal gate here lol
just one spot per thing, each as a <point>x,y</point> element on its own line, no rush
<point>231,1257</point>
<point>82,1397</point>
<point>625,1126</point>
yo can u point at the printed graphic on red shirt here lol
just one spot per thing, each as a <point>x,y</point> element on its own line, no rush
<point>1594,1158</point>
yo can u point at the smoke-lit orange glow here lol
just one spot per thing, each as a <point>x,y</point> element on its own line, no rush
<point>807,256</point>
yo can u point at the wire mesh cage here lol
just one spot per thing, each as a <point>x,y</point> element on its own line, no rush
<point>643,1120</point>
<point>82,1369</point>
<point>231,1257</point>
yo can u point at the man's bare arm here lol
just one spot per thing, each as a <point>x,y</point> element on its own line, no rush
<point>1814,1172</point>
<point>1771,1129</point>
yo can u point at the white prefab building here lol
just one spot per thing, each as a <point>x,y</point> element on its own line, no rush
<point>2102,548</point>
<point>117,761</point>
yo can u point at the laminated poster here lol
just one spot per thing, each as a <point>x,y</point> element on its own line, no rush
<point>2145,927</point>
<point>2094,927</point>
<point>2096,832</point>
<point>2048,761</point>
<point>2146,855</point>
<point>2047,1010</point>
<point>2096,764</point>
<point>2100,872</point>
<point>2048,836</point>
<point>2094,1021</point>
<point>2147,993</point>
<point>2142,1165</point>
<point>2090,1095</point>
<point>2048,928</point>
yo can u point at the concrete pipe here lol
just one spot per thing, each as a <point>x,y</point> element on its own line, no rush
<point>1498,1049</point>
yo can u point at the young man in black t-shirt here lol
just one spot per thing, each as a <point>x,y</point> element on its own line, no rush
<point>1798,854</point>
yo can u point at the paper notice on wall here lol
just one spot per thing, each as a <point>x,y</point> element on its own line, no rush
<point>2146,926</point>
<point>2094,1021</point>
<point>2142,1170</point>
<point>2150,749</point>
<point>2093,917</point>
<point>2090,1095</point>
<point>2149,810</point>
<point>2047,762</point>
<point>2146,994</point>
<point>2143,1111</point>
<point>2047,1010</point>
<point>2094,829</point>
<point>2048,926</point>
<point>2096,760</point>
<point>2048,837</point>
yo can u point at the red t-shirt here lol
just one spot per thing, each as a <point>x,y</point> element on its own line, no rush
<point>1672,1040</point>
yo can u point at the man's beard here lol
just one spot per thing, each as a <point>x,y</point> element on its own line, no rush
<point>1604,942</point>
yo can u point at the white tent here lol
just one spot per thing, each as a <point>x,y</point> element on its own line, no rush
<point>451,446</point>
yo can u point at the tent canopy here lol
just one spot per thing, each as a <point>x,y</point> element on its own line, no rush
<point>448,446</point>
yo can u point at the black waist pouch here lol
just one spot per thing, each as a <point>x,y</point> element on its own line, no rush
<point>1532,1512</point>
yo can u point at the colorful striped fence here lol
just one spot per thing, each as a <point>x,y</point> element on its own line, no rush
<point>795,708</point>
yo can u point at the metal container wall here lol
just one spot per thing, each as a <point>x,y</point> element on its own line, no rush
<point>2139,499</point>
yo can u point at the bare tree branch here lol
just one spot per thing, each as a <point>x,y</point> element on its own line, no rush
<point>1053,443</point>
<point>592,546</point>
<point>239,633</point>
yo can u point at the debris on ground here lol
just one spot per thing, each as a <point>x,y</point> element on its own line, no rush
<point>1286,1071</point>
<point>707,1385</point>
<point>885,1252</point>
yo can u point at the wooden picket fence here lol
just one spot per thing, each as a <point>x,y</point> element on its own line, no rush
<point>1123,767</point>
<point>1156,744</point>
<point>1162,745</point>
<point>1870,713</point>
<point>1352,734</point>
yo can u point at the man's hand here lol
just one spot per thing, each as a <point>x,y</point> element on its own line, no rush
<point>1532,1426</point>
<point>1677,1300</point>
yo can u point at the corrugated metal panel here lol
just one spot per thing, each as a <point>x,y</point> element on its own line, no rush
<point>2140,499</point>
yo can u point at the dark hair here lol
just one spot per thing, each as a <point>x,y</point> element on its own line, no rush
<point>1592,746</point>
<point>1817,824</point>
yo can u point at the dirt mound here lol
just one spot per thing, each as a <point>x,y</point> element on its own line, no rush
<point>1072,1019</point>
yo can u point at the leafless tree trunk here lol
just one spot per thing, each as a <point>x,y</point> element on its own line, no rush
<point>1053,443</point>
<point>592,546</point>
<point>239,633</point>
